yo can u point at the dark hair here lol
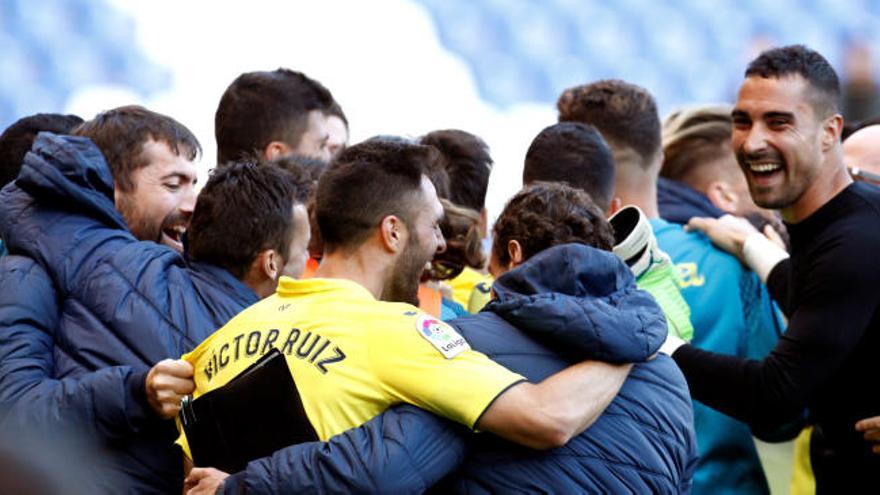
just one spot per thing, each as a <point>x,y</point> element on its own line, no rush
<point>576,154</point>
<point>461,230</point>
<point>18,138</point>
<point>434,167</point>
<point>121,133</point>
<point>363,185</point>
<point>694,137</point>
<point>547,214</point>
<point>807,63</point>
<point>437,173</point>
<point>624,113</point>
<point>261,107</point>
<point>465,157</point>
<point>390,138</point>
<point>244,208</point>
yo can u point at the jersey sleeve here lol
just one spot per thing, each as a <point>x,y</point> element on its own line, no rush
<point>415,369</point>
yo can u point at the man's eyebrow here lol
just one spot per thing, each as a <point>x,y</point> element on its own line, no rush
<point>779,115</point>
<point>180,175</point>
<point>738,113</point>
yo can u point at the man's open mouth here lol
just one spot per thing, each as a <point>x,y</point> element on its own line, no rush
<point>173,236</point>
<point>764,168</point>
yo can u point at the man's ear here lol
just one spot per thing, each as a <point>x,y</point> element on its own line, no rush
<point>722,196</point>
<point>276,149</point>
<point>614,207</point>
<point>263,273</point>
<point>268,263</point>
<point>831,131</point>
<point>392,233</point>
<point>515,251</point>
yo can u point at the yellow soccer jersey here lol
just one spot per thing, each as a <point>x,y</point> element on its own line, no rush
<point>463,286</point>
<point>352,356</point>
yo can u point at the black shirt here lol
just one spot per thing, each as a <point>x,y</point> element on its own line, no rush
<point>829,358</point>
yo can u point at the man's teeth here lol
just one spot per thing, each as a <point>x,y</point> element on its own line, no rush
<point>175,232</point>
<point>764,167</point>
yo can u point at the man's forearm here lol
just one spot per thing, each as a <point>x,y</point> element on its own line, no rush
<point>548,414</point>
<point>579,394</point>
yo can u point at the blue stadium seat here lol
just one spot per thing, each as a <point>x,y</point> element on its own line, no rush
<point>54,47</point>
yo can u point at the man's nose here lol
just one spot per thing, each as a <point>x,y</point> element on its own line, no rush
<point>441,244</point>
<point>188,203</point>
<point>755,140</point>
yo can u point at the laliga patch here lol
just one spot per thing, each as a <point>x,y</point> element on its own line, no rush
<point>442,336</point>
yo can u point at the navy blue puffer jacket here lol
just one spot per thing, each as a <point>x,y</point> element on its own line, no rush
<point>566,304</point>
<point>122,303</point>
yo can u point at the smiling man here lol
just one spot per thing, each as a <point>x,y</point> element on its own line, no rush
<point>55,346</point>
<point>786,137</point>
<point>151,159</point>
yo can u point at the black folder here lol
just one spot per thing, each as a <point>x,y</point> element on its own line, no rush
<point>256,413</point>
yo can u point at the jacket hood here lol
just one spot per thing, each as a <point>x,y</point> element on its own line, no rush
<point>60,170</point>
<point>583,302</point>
<point>679,202</point>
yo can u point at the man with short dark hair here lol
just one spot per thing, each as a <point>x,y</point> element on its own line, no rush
<point>269,114</point>
<point>731,311</point>
<point>786,138</point>
<point>626,115</point>
<point>151,158</point>
<point>576,154</point>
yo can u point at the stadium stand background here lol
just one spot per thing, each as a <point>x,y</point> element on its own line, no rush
<point>519,50</point>
<point>684,51</point>
<point>50,48</point>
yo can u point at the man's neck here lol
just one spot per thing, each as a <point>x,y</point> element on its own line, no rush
<point>645,197</point>
<point>636,184</point>
<point>359,266</point>
<point>829,182</point>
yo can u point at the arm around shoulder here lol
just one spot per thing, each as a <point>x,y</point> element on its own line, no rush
<point>548,414</point>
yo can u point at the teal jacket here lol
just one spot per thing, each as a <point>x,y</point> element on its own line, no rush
<point>732,313</point>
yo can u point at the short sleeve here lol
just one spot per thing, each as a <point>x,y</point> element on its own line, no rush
<point>411,369</point>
